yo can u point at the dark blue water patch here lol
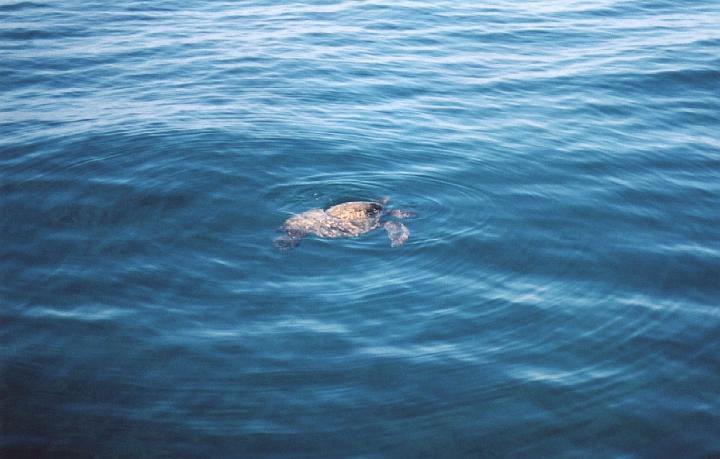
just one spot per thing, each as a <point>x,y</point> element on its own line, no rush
<point>672,82</point>
<point>22,5</point>
<point>25,34</point>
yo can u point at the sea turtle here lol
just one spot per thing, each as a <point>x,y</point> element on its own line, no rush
<point>349,219</point>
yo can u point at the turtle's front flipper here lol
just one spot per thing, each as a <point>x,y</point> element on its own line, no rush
<point>288,241</point>
<point>285,243</point>
<point>402,214</point>
<point>397,232</point>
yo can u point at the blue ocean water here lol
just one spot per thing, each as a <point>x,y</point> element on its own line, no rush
<point>558,295</point>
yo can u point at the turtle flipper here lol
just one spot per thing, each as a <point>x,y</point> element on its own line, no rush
<point>397,232</point>
<point>402,214</point>
<point>286,242</point>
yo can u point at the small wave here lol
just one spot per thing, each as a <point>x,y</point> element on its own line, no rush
<point>23,6</point>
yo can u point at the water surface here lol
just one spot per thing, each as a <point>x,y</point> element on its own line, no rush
<point>558,295</point>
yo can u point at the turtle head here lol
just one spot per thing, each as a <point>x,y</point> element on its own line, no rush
<point>375,209</point>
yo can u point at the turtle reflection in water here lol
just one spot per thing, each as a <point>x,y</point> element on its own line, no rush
<point>349,219</point>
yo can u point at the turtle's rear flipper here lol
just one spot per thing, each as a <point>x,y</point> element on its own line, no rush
<point>397,232</point>
<point>285,242</point>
